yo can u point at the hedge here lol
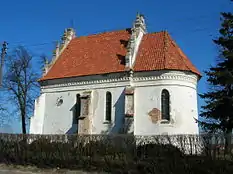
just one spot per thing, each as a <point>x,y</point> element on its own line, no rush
<point>117,153</point>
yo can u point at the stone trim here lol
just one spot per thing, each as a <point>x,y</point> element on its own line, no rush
<point>129,102</point>
<point>129,115</point>
<point>107,122</point>
<point>138,31</point>
<point>85,87</point>
<point>92,82</point>
<point>165,76</point>
<point>129,91</point>
<point>86,79</point>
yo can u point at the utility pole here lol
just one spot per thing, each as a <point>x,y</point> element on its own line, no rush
<point>3,54</point>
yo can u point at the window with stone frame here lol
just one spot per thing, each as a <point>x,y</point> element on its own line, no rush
<point>165,105</point>
<point>84,109</point>
<point>108,105</point>
<point>129,102</point>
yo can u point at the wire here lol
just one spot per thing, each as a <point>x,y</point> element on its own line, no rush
<point>106,30</point>
<point>32,45</point>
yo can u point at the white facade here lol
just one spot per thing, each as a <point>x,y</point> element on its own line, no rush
<point>183,105</point>
<point>51,118</point>
<point>136,99</point>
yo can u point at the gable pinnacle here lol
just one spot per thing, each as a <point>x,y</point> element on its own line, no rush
<point>139,23</point>
<point>138,31</point>
<point>67,36</point>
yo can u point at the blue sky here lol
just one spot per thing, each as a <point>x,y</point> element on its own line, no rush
<point>38,24</point>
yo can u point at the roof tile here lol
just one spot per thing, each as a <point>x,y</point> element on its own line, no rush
<point>105,53</point>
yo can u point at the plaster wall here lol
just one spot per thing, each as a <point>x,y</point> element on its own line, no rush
<point>183,108</point>
<point>49,118</point>
<point>54,119</point>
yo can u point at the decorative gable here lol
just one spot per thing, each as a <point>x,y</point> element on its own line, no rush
<point>138,31</point>
<point>117,51</point>
<point>67,36</point>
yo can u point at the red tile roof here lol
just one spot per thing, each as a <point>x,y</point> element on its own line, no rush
<point>104,53</point>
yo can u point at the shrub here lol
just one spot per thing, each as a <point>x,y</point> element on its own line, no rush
<point>113,154</point>
<point>158,151</point>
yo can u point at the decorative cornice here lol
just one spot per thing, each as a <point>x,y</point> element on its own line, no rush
<point>181,77</point>
<point>166,76</point>
<point>91,82</point>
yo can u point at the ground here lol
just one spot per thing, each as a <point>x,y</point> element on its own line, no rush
<point>9,169</point>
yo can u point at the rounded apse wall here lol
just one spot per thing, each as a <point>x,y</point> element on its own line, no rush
<point>157,113</point>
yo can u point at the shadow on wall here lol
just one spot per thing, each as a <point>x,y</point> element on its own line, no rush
<point>115,127</point>
<point>117,124</point>
<point>74,127</point>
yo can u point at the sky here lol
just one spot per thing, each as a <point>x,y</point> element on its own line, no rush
<point>37,25</point>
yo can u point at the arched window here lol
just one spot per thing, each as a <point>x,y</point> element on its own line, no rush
<point>165,105</point>
<point>108,110</point>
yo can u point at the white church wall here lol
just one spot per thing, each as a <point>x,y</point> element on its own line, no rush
<point>100,125</point>
<point>147,105</point>
<point>183,107</point>
<point>50,117</point>
<point>61,119</point>
<point>37,120</point>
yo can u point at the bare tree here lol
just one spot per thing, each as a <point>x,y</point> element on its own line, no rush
<point>20,81</point>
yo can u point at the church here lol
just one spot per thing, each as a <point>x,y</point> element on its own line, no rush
<point>117,82</point>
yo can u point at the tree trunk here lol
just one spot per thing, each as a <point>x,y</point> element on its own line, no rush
<point>23,122</point>
<point>228,141</point>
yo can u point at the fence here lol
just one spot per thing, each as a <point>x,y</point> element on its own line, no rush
<point>80,151</point>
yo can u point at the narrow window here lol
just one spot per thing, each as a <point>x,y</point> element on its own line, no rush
<point>76,109</point>
<point>108,113</point>
<point>165,105</point>
<point>78,105</point>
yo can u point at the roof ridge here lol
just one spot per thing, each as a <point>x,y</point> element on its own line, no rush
<point>101,33</point>
<point>113,31</point>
